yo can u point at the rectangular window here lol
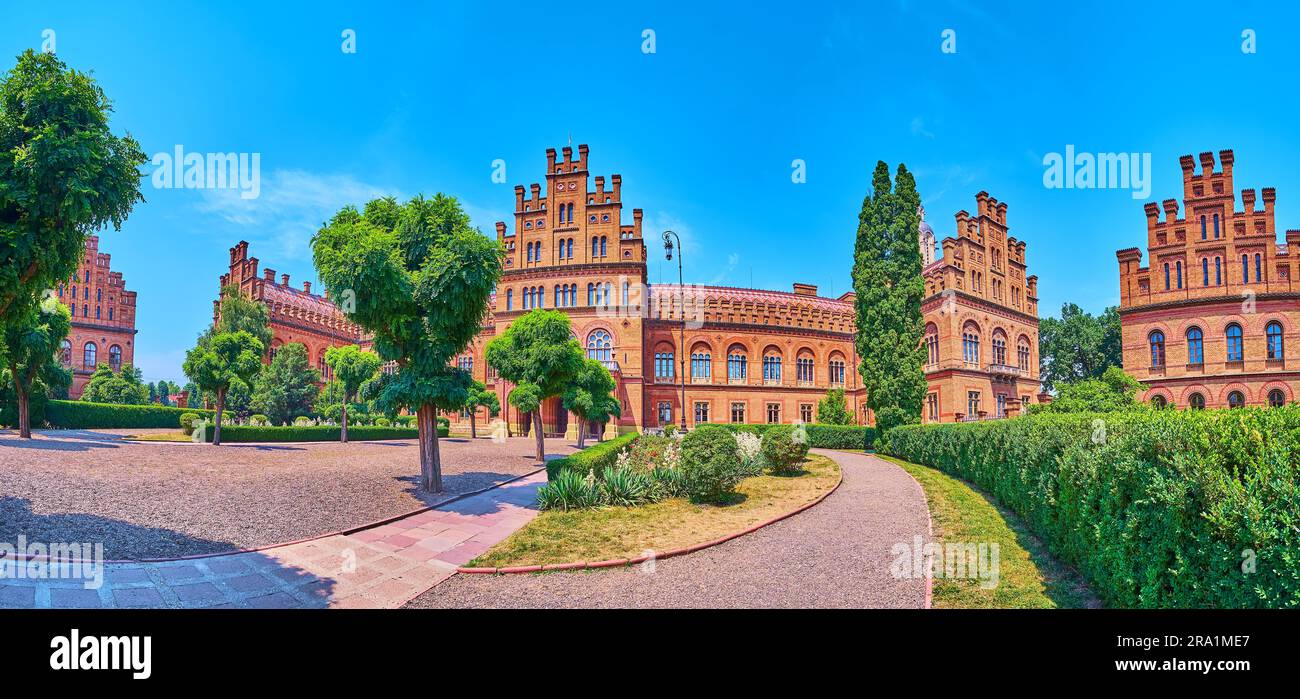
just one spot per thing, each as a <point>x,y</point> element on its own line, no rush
<point>737,412</point>
<point>701,412</point>
<point>932,406</point>
<point>773,413</point>
<point>1002,405</point>
<point>972,405</point>
<point>665,413</point>
<point>664,365</point>
<point>805,412</point>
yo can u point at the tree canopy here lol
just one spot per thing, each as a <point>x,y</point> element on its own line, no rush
<point>30,342</point>
<point>63,175</point>
<point>417,277</point>
<point>352,367</point>
<point>538,354</point>
<point>1113,391</point>
<point>224,359</point>
<point>124,387</point>
<point>832,409</point>
<point>1078,345</point>
<point>287,387</point>
<point>591,397</point>
<point>889,287</point>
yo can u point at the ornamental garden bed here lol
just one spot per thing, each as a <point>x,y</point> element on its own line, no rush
<point>609,532</point>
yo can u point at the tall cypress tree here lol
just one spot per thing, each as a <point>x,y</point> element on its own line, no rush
<point>887,280</point>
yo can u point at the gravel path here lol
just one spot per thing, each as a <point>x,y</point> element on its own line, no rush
<point>836,554</point>
<point>158,499</point>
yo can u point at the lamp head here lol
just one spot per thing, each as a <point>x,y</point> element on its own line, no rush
<point>668,244</point>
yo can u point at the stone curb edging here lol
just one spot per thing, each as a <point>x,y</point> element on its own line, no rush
<point>341,532</point>
<point>622,562</point>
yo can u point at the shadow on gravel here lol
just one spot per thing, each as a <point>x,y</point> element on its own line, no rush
<point>121,539</point>
<point>453,485</point>
<point>48,443</point>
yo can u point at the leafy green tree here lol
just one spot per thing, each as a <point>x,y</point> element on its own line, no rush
<point>417,277</point>
<point>352,367</point>
<point>236,312</point>
<point>1114,391</point>
<point>287,387</point>
<point>889,287</point>
<point>31,341</point>
<point>125,387</point>
<point>63,174</point>
<point>153,392</point>
<point>538,354</point>
<point>221,360</point>
<point>590,396</point>
<point>832,410</point>
<point>193,395</point>
<point>480,397</point>
<point>1078,345</point>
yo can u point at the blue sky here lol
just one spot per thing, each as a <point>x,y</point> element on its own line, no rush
<point>703,130</point>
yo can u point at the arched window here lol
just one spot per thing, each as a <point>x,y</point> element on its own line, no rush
<point>803,368</point>
<point>595,246</point>
<point>1218,271</point>
<point>115,357</point>
<point>99,294</point>
<point>1232,334</point>
<point>1178,269</point>
<point>1196,401</point>
<point>771,367</point>
<point>529,248</point>
<point>1236,400</point>
<point>1205,271</point>
<point>1273,331</point>
<point>970,344</point>
<point>1276,398</point>
<point>322,367</point>
<point>602,245</point>
<point>1216,225</point>
<point>1202,228</point>
<point>664,364</point>
<point>97,310</point>
<point>1022,353</point>
<point>1195,346</point>
<point>999,348</point>
<point>591,294</point>
<point>1157,349</point>
<point>510,299</point>
<point>89,353</point>
<point>1158,401</point>
<point>466,362</point>
<point>737,364</point>
<point>65,352</point>
<point>1166,276</point>
<point>570,213</point>
<point>110,313</point>
<point>1245,269</point>
<point>701,364</point>
<point>932,344</point>
<point>1258,267</point>
<point>836,369</point>
<point>559,299</point>
<point>599,346</point>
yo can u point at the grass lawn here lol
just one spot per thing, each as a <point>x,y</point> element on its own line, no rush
<point>1029,575</point>
<point>161,437</point>
<point>627,532</point>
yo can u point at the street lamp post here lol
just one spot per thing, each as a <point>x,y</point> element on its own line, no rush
<point>669,236</point>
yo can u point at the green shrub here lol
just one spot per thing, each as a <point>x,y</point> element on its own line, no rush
<point>591,459</point>
<point>259,420</point>
<point>567,491</point>
<point>783,451</point>
<point>81,415</point>
<point>622,487</point>
<point>303,421</point>
<point>187,423</point>
<point>1192,508</point>
<point>819,436</point>
<point>383,422</point>
<point>310,433</point>
<point>710,463</point>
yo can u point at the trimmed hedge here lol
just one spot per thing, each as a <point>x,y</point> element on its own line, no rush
<point>1188,508</point>
<point>820,436</point>
<point>311,433</point>
<point>75,414</point>
<point>593,458</point>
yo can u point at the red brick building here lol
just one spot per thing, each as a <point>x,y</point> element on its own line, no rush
<point>981,320</point>
<point>103,318</point>
<point>1212,320</point>
<point>296,315</point>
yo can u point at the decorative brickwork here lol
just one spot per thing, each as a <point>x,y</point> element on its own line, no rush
<point>103,318</point>
<point>1213,319</point>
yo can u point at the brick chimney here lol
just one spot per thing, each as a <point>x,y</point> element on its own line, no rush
<point>805,289</point>
<point>284,280</point>
<point>306,287</point>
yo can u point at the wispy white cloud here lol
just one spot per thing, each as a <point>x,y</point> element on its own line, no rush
<point>292,206</point>
<point>918,128</point>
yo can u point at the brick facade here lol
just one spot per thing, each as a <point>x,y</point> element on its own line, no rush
<point>1213,319</point>
<point>103,318</point>
<point>981,320</point>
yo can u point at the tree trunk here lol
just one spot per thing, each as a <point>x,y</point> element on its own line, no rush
<point>343,435</point>
<point>216,429</point>
<point>430,462</point>
<point>582,432</point>
<point>24,410</point>
<point>473,429</point>
<point>541,439</point>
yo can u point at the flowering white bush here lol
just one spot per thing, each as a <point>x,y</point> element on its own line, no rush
<point>748,446</point>
<point>672,455</point>
<point>623,460</point>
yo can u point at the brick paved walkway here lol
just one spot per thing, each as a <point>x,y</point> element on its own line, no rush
<point>380,567</point>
